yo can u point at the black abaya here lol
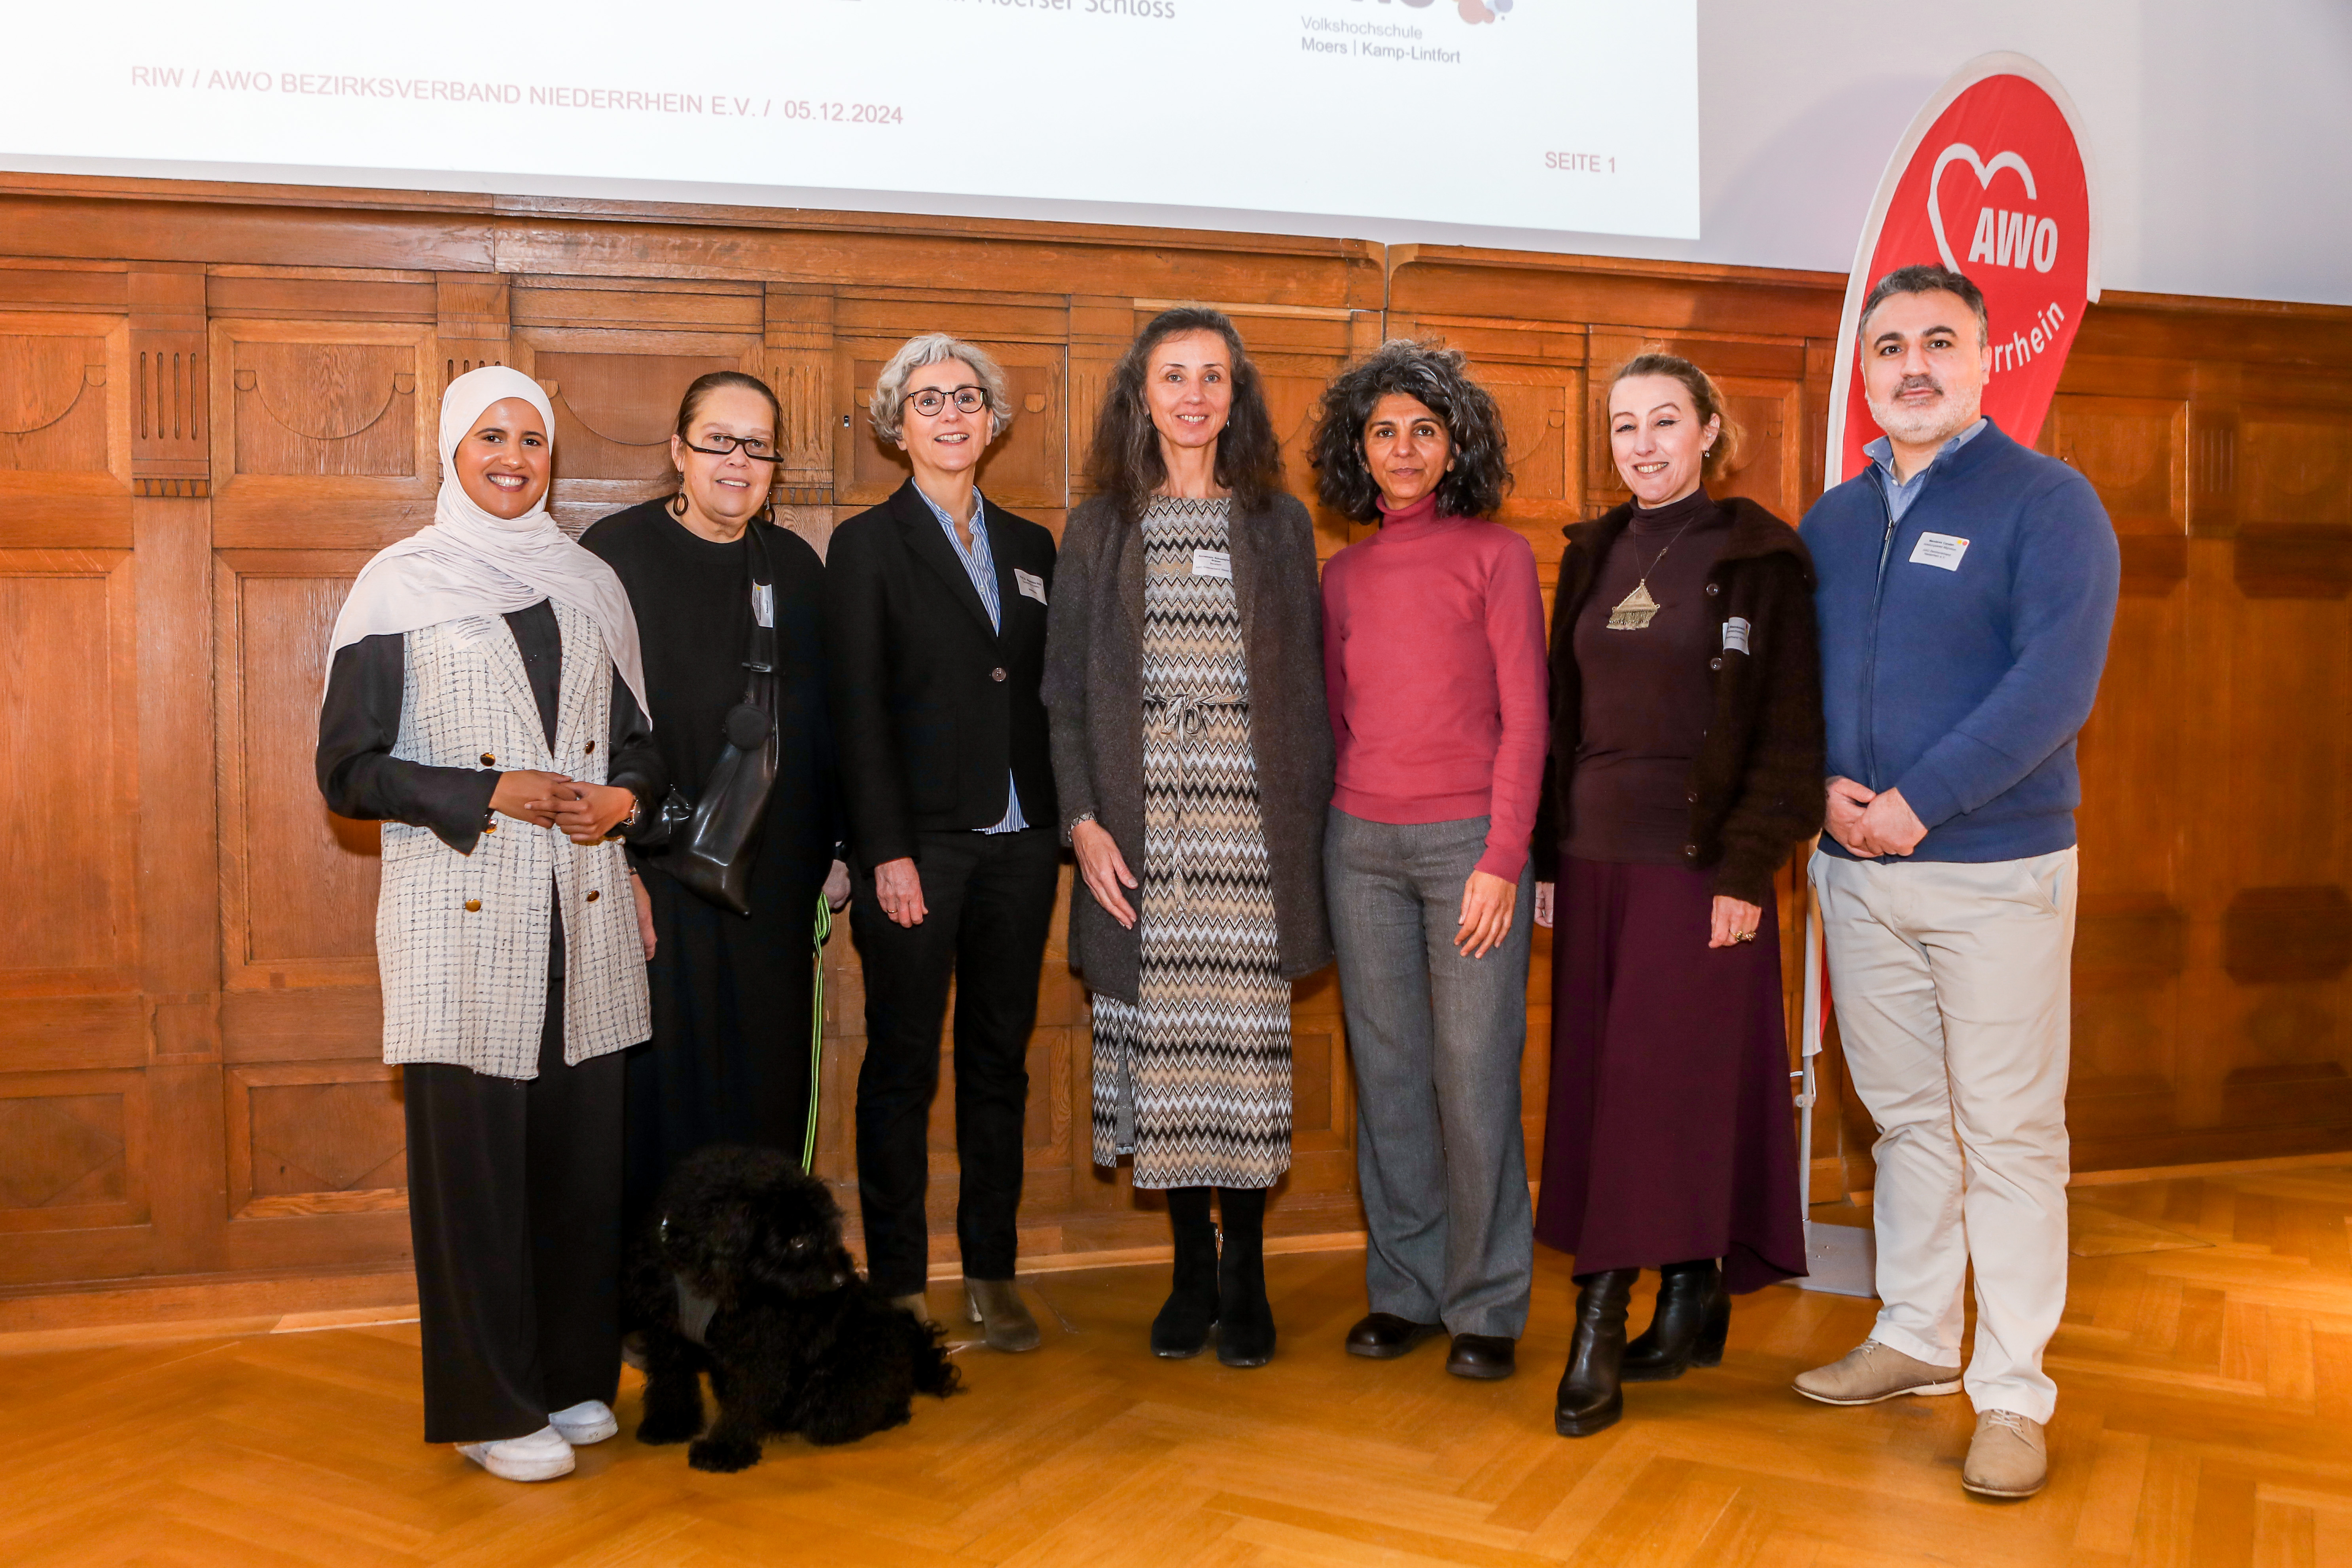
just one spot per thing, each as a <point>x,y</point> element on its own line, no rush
<point>730,1058</point>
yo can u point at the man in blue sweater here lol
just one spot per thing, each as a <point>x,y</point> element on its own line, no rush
<point>1967,585</point>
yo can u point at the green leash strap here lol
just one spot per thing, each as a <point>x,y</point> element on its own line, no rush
<point>816,1033</point>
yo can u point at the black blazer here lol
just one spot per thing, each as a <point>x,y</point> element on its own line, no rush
<point>932,706</point>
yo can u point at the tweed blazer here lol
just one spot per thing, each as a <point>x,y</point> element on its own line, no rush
<point>462,940</point>
<point>1094,704</point>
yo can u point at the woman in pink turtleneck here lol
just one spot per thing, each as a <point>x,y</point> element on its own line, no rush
<point>1433,660</point>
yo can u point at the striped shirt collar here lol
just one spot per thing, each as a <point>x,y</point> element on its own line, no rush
<point>979,563</point>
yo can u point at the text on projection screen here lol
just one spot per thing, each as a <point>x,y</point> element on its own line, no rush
<point>1539,114</point>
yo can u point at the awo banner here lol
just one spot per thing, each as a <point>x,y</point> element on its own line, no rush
<point>1994,180</point>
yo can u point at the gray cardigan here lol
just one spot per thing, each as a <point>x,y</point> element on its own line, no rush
<point>1094,704</point>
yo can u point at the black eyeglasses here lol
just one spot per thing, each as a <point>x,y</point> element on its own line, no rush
<point>930,400</point>
<point>752,447</point>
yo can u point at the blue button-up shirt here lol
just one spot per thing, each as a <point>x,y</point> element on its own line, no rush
<point>980,565</point>
<point>1901,493</point>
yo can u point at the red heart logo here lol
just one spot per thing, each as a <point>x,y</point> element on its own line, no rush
<point>1959,152</point>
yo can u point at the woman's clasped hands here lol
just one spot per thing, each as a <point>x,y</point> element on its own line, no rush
<point>587,813</point>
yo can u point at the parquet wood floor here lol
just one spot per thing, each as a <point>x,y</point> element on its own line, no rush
<point>2206,1418</point>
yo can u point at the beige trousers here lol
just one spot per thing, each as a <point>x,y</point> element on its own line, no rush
<point>1951,986</point>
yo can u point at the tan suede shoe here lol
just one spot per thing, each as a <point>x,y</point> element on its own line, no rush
<point>1004,1322</point>
<point>1872,1372</point>
<point>918,1304</point>
<point>2007,1458</point>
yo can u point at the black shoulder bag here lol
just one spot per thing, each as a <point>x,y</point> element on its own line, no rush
<point>711,855</point>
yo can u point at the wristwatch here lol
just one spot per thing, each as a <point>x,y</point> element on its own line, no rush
<point>637,811</point>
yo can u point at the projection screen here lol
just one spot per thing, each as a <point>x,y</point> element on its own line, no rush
<point>1564,115</point>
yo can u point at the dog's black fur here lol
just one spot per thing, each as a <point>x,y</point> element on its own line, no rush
<point>797,1342</point>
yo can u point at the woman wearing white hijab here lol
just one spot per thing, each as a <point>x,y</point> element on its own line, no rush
<point>471,707</point>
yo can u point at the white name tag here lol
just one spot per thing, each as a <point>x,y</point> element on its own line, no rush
<point>1032,586</point>
<point>1212,563</point>
<point>1939,550</point>
<point>1735,635</point>
<point>764,603</point>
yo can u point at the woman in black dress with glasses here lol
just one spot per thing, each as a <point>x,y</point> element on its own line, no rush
<point>730,1060</point>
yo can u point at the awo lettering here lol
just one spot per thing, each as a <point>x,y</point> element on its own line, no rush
<point>2014,239</point>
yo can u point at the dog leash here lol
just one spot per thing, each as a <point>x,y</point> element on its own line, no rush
<point>816,1035</point>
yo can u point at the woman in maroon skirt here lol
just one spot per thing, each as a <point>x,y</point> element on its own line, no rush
<point>1686,758</point>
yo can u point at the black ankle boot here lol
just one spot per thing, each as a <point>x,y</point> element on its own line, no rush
<point>1687,1329</point>
<point>1181,1328</point>
<point>1589,1396</point>
<point>1244,1317</point>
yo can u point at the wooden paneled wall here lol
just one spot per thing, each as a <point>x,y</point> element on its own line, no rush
<point>216,402</point>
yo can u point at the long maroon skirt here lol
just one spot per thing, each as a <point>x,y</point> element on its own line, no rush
<point>1671,1136</point>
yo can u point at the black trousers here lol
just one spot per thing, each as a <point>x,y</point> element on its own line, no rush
<point>990,898</point>
<point>514,1202</point>
<point>728,1060</point>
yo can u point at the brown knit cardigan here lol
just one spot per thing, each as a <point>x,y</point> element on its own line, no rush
<point>1756,785</point>
<point>1093,706</point>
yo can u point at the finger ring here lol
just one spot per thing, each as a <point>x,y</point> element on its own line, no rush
<point>1745,936</point>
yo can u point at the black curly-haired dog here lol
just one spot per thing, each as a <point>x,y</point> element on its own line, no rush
<point>743,1274</point>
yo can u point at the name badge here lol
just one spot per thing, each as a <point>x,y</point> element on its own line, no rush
<point>1735,635</point>
<point>1939,550</point>
<point>1212,563</point>
<point>764,603</point>
<point>1032,586</point>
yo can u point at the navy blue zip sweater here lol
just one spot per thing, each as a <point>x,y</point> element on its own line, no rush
<point>1965,688</point>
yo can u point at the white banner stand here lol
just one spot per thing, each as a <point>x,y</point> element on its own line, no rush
<point>1842,1260</point>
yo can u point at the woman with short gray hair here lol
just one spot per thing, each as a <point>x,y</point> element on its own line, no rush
<point>891,391</point>
<point>935,623</point>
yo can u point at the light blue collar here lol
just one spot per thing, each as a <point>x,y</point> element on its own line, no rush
<point>1882,452</point>
<point>947,520</point>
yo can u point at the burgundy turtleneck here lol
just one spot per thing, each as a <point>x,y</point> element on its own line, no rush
<point>1434,661</point>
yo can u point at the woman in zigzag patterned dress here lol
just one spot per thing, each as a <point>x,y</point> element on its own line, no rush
<point>1202,1057</point>
<point>1184,684</point>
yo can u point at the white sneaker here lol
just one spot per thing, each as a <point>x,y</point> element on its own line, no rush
<point>590,1421</point>
<point>541,1456</point>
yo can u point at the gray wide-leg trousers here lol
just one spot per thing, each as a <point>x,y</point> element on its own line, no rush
<point>1435,1038</point>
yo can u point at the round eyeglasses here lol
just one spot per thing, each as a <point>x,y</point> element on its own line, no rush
<point>930,400</point>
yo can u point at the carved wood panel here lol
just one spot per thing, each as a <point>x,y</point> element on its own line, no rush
<point>1765,465</point>
<point>297,883</point>
<point>323,432</point>
<point>316,1138</point>
<point>53,418</point>
<point>73,1151</point>
<point>2297,463</point>
<point>68,771</point>
<point>2132,946</point>
<point>66,397</point>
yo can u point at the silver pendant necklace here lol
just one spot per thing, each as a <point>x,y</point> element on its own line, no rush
<point>1636,610</point>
